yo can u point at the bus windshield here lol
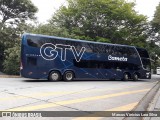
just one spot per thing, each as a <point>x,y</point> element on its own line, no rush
<point>143,53</point>
<point>146,64</point>
<point>145,58</point>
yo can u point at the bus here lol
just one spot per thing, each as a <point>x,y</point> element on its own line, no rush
<point>56,58</point>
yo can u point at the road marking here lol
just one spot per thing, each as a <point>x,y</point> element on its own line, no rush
<point>65,93</point>
<point>49,105</point>
<point>36,95</point>
<point>127,107</point>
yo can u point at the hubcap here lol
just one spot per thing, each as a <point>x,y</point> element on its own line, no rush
<point>55,76</point>
<point>126,77</point>
<point>136,77</point>
<point>69,76</point>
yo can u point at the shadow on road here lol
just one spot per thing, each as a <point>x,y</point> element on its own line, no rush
<point>44,80</point>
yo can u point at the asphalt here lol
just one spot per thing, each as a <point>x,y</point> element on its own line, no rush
<point>151,103</point>
<point>153,99</point>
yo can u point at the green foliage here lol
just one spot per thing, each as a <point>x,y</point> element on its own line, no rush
<point>113,20</point>
<point>154,36</point>
<point>156,19</point>
<point>48,29</point>
<point>13,15</point>
<point>12,60</point>
<point>16,11</point>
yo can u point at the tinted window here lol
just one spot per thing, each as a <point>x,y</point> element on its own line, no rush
<point>32,43</point>
<point>143,53</point>
<point>31,61</point>
<point>105,65</point>
<point>36,41</point>
<point>146,63</point>
<point>131,52</point>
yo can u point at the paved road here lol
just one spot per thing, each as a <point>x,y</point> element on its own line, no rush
<point>22,94</point>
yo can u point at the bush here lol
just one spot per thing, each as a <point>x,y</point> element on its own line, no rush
<point>11,62</point>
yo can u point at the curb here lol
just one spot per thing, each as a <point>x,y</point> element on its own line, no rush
<point>144,104</point>
<point>9,76</point>
<point>152,105</point>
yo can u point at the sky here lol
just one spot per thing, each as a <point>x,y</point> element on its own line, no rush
<point>48,7</point>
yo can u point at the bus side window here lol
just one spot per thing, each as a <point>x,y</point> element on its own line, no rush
<point>31,61</point>
<point>32,43</point>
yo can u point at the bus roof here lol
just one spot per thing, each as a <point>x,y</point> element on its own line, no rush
<point>70,39</point>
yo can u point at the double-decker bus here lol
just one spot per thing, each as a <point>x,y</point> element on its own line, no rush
<point>57,58</point>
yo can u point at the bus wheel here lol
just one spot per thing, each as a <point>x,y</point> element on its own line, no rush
<point>125,77</point>
<point>54,76</point>
<point>68,76</point>
<point>135,77</point>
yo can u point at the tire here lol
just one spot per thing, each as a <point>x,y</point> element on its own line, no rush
<point>68,76</point>
<point>54,76</point>
<point>135,77</point>
<point>125,77</point>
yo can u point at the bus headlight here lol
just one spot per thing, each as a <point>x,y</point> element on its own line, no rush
<point>148,74</point>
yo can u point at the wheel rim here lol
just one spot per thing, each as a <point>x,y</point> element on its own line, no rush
<point>135,77</point>
<point>69,76</point>
<point>126,77</point>
<point>55,76</point>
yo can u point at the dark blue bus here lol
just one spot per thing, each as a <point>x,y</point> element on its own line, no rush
<point>56,58</point>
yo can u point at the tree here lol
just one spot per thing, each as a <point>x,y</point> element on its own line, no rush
<point>12,60</point>
<point>49,29</point>
<point>156,19</point>
<point>112,21</point>
<point>16,11</point>
<point>154,37</point>
<point>155,23</point>
<point>13,15</point>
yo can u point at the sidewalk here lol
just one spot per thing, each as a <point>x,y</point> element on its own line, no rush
<point>2,75</point>
<point>155,105</point>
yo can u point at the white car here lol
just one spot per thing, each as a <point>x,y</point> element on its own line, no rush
<point>158,70</point>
